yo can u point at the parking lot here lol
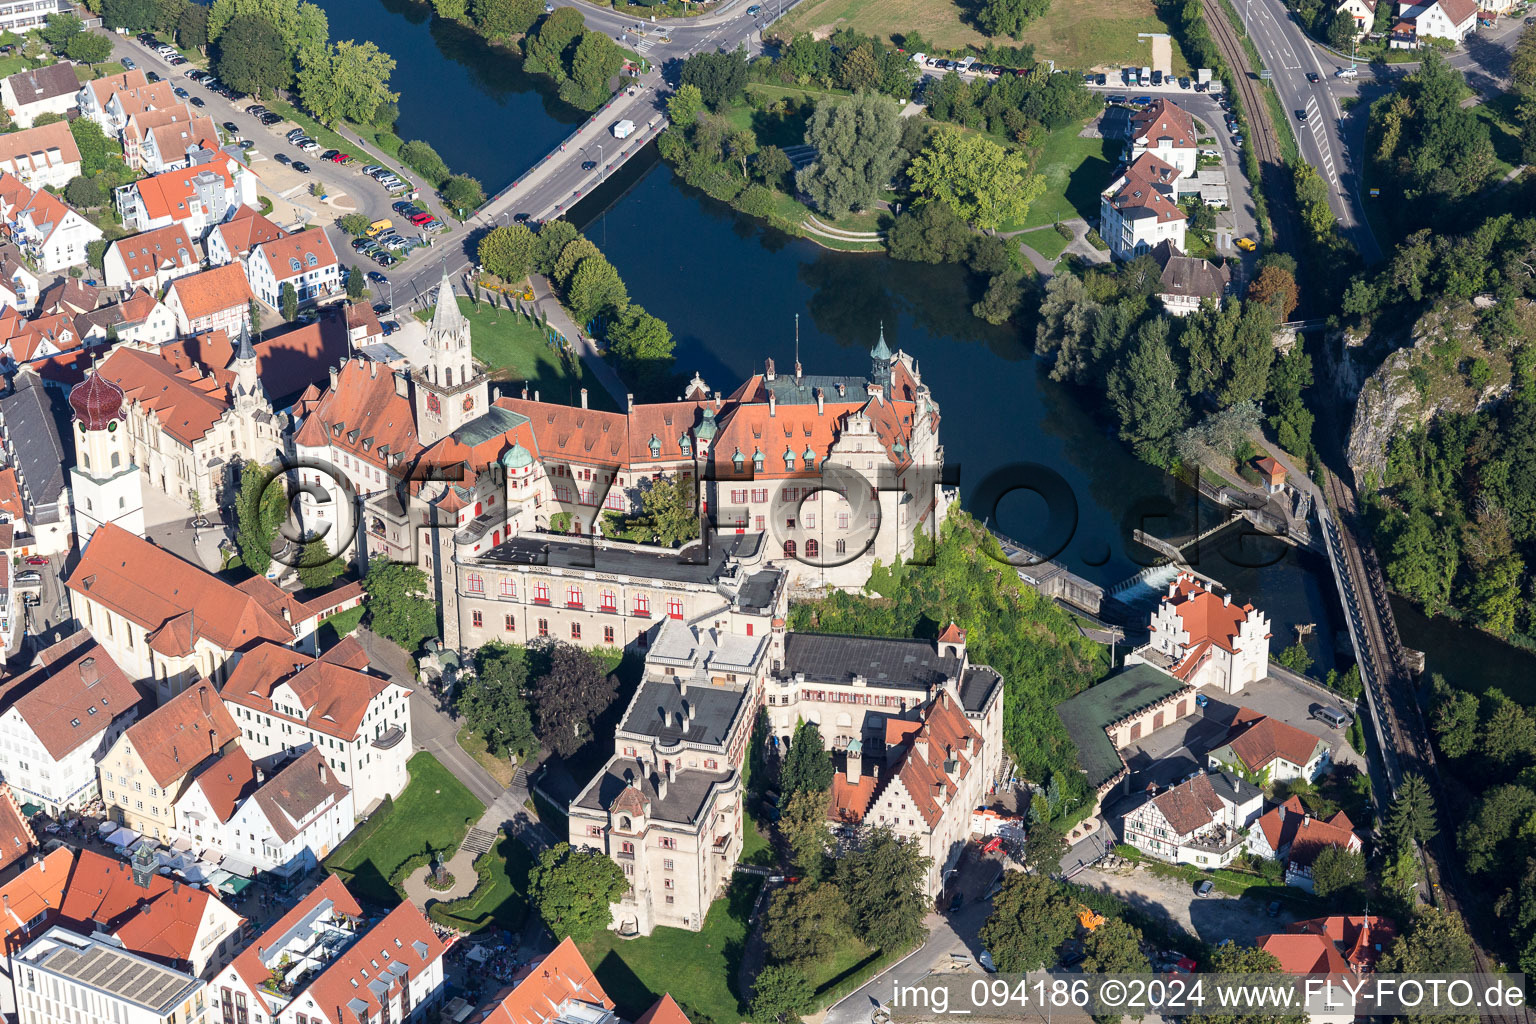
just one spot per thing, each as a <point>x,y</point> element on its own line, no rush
<point>1209,918</point>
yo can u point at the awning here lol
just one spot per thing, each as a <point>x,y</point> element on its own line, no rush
<point>106,828</point>
<point>182,844</point>
<point>235,885</point>
<point>237,867</point>
<point>30,809</point>
<point>122,837</point>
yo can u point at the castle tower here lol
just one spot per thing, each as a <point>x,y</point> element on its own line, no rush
<point>448,392</point>
<point>880,363</point>
<point>104,481</point>
<point>247,391</point>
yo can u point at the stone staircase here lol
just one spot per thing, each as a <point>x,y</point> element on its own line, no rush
<point>478,841</point>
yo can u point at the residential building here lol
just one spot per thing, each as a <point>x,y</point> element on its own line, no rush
<point>1118,711</point>
<point>233,240</point>
<point>168,138</point>
<point>59,717</point>
<point>61,975</point>
<point>1206,640</point>
<point>218,299</point>
<point>1167,131</point>
<point>40,157</point>
<point>283,825</point>
<point>106,483</point>
<point>29,438</point>
<point>21,17</point>
<point>1266,747</point>
<point>95,98</point>
<point>391,972</point>
<point>173,623</point>
<point>304,259</point>
<point>17,839</point>
<point>19,285</point>
<point>1335,948</point>
<point>1362,11</point>
<point>151,260</point>
<point>1139,210</point>
<point>285,703</point>
<point>186,430</point>
<point>41,225</point>
<point>140,319</point>
<point>146,772</point>
<point>1291,835</point>
<point>37,340</point>
<point>1188,282</point>
<point>1404,35</point>
<point>363,327</point>
<point>299,945</point>
<point>1440,19</point>
<point>29,906</point>
<point>1272,474</point>
<point>49,90</point>
<point>197,196</point>
<point>927,777</point>
<point>558,988</point>
<point>68,295</point>
<point>667,807</point>
<point>853,686</point>
<point>1200,821</point>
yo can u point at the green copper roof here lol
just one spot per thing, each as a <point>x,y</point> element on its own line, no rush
<point>708,428</point>
<point>881,349</point>
<point>517,457</point>
<point>493,422</point>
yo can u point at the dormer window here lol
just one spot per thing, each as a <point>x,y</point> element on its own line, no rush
<point>789,459</point>
<point>685,445</point>
<point>738,460</point>
<point>757,460</point>
<point>310,259</point>
<point>294,263</point>
<point>655,447</point>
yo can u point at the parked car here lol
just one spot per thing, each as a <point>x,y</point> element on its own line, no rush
<point>35,560</point>
<point>1120,100</point>
<point>340,158</point>
<point>283,158</point>
<point>30,576</point>
<point>1349,72</point>
<point>1274,908</point>
<point>1331,716</point>
<point>176,61</point>
<point>1247,244</point>
<point>1157,78</point>
<point>152,76</point>
<point>1184,82</point>
<point>197,101</point>
<point>1101,80</point>
<point>386,260</point>
<point>180,92</point>
<point>420,219</point>
<point>301,166</point>
<point>231,127</point>
<point>328,154</point>
<point>255,110</point>
<point>1142,101</point>
<point>405,208</point>
<point>360,244</point>
<point>128,63</point>
<point>1204,888</point>
<point>390,327</point>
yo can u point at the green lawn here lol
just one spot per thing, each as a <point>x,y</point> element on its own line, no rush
<point>1045,241</point>
<point>15,63</point>
<point>434,812</point>
<point>339,625</point>
<point>1076,170</point>
<point>504,902</point>
<point>1503,127</point>
<point>515,349</point>
<point>697,968</point>
<point>755,847</point>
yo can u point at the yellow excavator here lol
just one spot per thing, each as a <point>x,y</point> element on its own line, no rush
<point>1089,918</point>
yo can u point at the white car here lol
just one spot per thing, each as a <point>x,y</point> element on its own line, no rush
<point>1349,72</point>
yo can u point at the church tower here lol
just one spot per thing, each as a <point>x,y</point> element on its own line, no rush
<point>880,363</point>
<point>247,393</point>
<point>448,392</point>
<point>104,481</point>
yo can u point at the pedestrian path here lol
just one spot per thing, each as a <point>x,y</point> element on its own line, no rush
<point>545,302</point>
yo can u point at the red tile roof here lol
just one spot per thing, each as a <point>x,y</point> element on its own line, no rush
<point>1459,11</point>
<point>160,921</point>
<point>541,989</point>
<point>1258,739</point>
<point>39,890</point>
<point>1206,617</point>
<point>16,836</point>
<point>664,1011</point>
<point>1191,805</point>
<point>1303,954</point>
<point>71,695</point>
<point>363,415</point>
<point>286,362</point>
<point>1289,827</point>
<point>50,145</point>
<point>302,246</point>
<point>227,781</point>
<point>850,800</point>
<point>922,749</point>
<point>186,403</point>
<point>1272,469</point>
<point>404,937</point>
<point>212,291</point>
<point>103,88</point>
<point>246,230</point>
<point>248,964</point>
<point>146,254</point>
<point>182,733</point>
<point>334,695</point>
<point>1163,119</point>
<point>167,194</point>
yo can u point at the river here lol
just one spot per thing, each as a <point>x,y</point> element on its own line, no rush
<point>731,288</point>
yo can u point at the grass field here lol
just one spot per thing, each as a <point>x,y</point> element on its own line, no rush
<point>504,902</point>
<point>1079,34</point>
<point>499,768</point>
<point>1045,241</point>
<point>434,811</point>
<point>1076,170</point>
<point>515,350</point>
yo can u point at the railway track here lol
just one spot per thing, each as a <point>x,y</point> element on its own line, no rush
<point>1402,734</point>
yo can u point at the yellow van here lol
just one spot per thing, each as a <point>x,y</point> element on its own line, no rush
<point>378,227</point>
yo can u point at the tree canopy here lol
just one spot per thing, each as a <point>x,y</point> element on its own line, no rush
<point>856,141</point>
<point>573,889</point>
<point>807,766</point>
<point>400,605</point>
<point>569,695</point>
<point>493,703</point>
<point>981,181</point>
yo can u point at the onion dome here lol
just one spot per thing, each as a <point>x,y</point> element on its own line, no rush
<point>96,402</point>
<point>706,431</point>
<point>517,457</point>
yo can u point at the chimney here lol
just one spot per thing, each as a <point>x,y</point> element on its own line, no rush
<point>88,672</point>
<point>175,887</point>
<point>525,392</point>
<point>536,397</point>
<point>402,386</point>
<point>1226,600</point>
<point>773,404</point>
<point>629,402</point>
<point>855,764</point>
<point>842,390</point>
<point>261,777</point>
<point>287,615</point>
<point>821,402</point>
<point>335,376</point>
<point>325,779</point>
<point>768,373</point>
<point>583,398</point>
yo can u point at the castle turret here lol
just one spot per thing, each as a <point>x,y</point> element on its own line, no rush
<point>880,362</point>
<point>448,392</point>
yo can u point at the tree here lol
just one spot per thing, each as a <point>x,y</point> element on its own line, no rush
<point>422,158</point>
<point>805,922</point>
<point>882,877</point>
<point>95,151</point>
<point>354,224</point>
<point>132,15</point>
<point>252,57</point>
<point>553,237</point>
<point>773,168</point>
<point>596,60</point>
<point>60,29</point>
<point>83,193</point>
<point>508,252</point>
<point>498,19</point>
<point>578,249</point>
<point>669,509</point>
<point>719,77</point>
<point>573,889</point>
<point>569,696</point>
<point>493,704</point>
<point>855,141</point>
<point>1275,287</point>
<point>1147,396</point>
<point>399,602</point>
<point>684,105</point>
<point>1008,17</point>
<point>1412,816</point>
<point>1455,719</point>
<point>1002,298</point>
<point>88,48</point>
<point>288,300</point>
<point>544,48</point>
<point>1044,846</point>
<point>1436,942</point>
<point>192,27</point>
<point>934,233</point>
<point>780,994</point>
<point>1114,947</point>
<point>357,285</point>
<point>318,567</point>
<point>1337,870</point>
<point>981,181</point>
<point>1230,958</point>
<point>595,288</point>
<point>742,144</point>
<point>96,252</point>
<point>807,767</point>
<point>643,346</point>
<point>302,25</point>
<point>464,193</point>
<point>346,81</point>
<point>804,827</point>
<point>260,508</point>
<point>1031,916</point>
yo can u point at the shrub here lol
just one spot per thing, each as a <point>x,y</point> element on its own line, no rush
<point>424,160</point>
<point>754,201</point>
<point>1064,231</point>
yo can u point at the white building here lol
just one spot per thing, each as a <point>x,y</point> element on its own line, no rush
<point>59,717</point>
<point>139,319</point>
<point>30,94</point>
<point>233,240</point>
<point>196,197</point>
<point>1139,210</point>
<point>217,299</point>
<point>284,825</point>
<point>1200,821</point>
<point>106,483</point>
<point>392,972</point>
<point>1268,748</point>
<point>1441,19</point>
<point>29,14</point>
<point>1362,11</point>
<point>285,703</point>
<point>1167,131</point>
<point>41,156</point>
<point>304,260</point>
<point>1206,640</point>
<point>65,978</point>
<point>43,226</point>
<point>152,259</point>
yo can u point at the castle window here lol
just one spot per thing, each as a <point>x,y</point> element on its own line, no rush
<point>475,583</point>
<point>511,624</point>
<point>812,549</point>
<point>607,634</point>
<point>757,460</point>
<point>737,460</point>
<point>789,549</point>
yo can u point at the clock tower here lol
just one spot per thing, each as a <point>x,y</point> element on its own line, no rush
<point>448,392</point>
<point>104,481</point>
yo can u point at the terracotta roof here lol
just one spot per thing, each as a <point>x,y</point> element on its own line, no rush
<point>246,230</point>
<point>28,338</point>
<point>301,247</point>
<point>334,695</point>
<point>1360,938</point>
<point>35,148</point>
<point>1190,806</point>
<point>248,964</point>
<point>1291,829</point>
<point>1163,119</point>
<point>68,295</point>
<point>362,415</point>
<point>930,757</point>
<point>103,88</point>
<point>850,800</point>
<point>227,782</point>
<point>211,291</point>
<point>150,252</point>
<point>292,797</point>
<point>71,695</point>
<point>952,634</point>
<point>664,1011</point>
<point>160,921</point>
<point>1258,739</point>
<point>542,989</point>
<point>1459,11</point>
<point>403,937</point>
<point>187,403</point>
<point>1204,616</point>
<point>39,890</point>
<point>182,733</point>
<point>167,194</point>
<point>16,836</point>
<point>1303,954</point>
<point>286,362</point>
<point>1143,190</point>
<point>178,134</point>
<point>1272,469</point>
